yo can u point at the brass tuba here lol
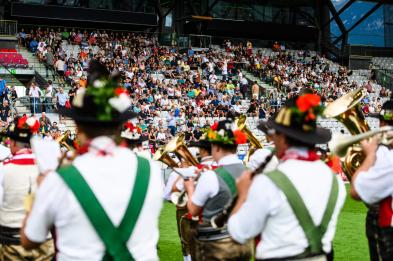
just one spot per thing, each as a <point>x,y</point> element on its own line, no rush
<point>62,140</point>
<point>347,110</point>
<point>255,144</point>
<point>178,147</point>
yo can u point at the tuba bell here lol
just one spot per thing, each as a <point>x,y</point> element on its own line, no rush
<point>255,144</point>
<point>178,147</point>
<point>164,157</point>
<point>347,110</point>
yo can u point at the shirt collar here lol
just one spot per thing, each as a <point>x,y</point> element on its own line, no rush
<point>102,145</point>
<point>301,151</point>
<point>24,151</point>
<point>229,159</point>
<point>207,158</point>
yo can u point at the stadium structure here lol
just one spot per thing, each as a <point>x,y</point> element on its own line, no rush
<point>300,24</point>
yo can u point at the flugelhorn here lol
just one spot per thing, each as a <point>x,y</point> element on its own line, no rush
<point>347,110</point>
<point>255,144</point>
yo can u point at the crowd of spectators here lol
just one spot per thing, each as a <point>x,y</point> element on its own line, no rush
<point>184,85</point>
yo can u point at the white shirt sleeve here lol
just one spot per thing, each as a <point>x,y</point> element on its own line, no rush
<point>169,184</point>
<point>1,186</point>
<point>42,215</point>
<point>376,183</point>
<point>207,187</point>
<point>249,221</point>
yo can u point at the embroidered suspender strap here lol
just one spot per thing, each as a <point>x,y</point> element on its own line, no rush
<point>313,233</point>
<point>114,239</point>
<point>228,179</point>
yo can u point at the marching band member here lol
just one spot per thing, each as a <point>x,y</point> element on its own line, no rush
<point>133,138</point>
<point>106,204</point>
<point>215,190</point>
<point>373,184</point>
<point>295,207</point>
<point>17,179</point>
<point>186,222</point>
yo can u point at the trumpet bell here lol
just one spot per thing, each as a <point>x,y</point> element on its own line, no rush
<point>179,199</point>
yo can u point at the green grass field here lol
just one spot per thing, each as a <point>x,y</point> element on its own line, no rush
<point>350,242</point>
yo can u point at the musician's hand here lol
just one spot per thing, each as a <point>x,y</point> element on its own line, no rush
<point>243,184</point>
<point>189,185</point>
<point>369,146</point>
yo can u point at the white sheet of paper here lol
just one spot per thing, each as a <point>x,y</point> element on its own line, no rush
<point>47,153</point>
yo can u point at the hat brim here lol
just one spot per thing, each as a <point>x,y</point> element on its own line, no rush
<point>79,117</point>
<point>200,144</point>
<point>16,136</point>
<point>140,140</point>
<point>319,136</point>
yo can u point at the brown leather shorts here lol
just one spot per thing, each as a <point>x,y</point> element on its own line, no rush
<point>222,250</point>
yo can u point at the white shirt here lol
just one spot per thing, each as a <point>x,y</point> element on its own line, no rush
<point>266,211</point>
<point>208,185</point>
<point>49,91</point>
<point>111,178</point>
<point>377,183</point>
<point>35,92</point>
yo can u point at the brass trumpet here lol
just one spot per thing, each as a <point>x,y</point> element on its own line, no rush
<point>255,144</point>
<point>347,110</point>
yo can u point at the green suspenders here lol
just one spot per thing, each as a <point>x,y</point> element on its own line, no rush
<point>114,238</point>
<point>228,179</point>
<point>313,233</point>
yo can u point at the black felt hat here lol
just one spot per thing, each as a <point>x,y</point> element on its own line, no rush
<point>22,129</point>
<point>103,102</point>
<point>298,120</point>
<point>201,143</point>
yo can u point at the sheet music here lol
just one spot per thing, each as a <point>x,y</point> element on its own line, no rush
<point>47,154</point>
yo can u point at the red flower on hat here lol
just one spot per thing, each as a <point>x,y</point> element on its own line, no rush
<point>120,90</point>
<point>22,122</point>
<point>240,137</point>
<point>307,101</point>
<point>131,127</point>
<point>32,124</point>
<point>214,126</point>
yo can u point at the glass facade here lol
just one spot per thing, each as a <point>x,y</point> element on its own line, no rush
<point>388,25</point>
<point>373,31</point>
<point>266,12</point>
